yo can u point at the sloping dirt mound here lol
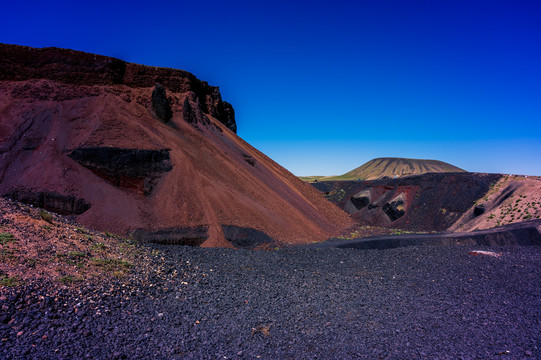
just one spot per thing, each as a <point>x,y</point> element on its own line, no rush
<point>511,199</point>
<point>37,246</point>
<point>97,133</point>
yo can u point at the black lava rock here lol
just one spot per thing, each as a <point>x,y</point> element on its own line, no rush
<point>192,114</point>
<point>360,201</point>
<point>404,303</point>
<point>52,201</point>
<point>479,210</point>
<point>160,104</point>
<point>128,168</point>
<point>394,209</point>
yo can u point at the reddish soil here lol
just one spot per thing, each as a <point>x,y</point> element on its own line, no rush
<point>211,178</point>
<point>54,249</point>
<point>513,199</point>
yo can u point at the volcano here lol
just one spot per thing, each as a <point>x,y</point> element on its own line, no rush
<point>147,151</point>
<point>395,168</point>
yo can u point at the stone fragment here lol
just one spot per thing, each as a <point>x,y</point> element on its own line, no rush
<point>479,210</point>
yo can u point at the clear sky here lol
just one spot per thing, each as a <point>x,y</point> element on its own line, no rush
<point>323,86</point>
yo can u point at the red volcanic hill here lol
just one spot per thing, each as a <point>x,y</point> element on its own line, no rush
<point>151,151</point>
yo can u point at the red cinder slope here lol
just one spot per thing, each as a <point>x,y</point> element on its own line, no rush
<point>124,147</point>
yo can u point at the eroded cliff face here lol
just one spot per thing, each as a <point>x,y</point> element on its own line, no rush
<point>128,148</point>
<point>19,63</point>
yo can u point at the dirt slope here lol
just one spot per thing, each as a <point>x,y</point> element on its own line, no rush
<point>395,168</point>
<point>123,147</point>
<point>512,199</point>
<point>38,246</point>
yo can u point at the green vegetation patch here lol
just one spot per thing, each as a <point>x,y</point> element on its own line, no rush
<point>98,246</point>
<point>7,254</point>
<point>76,254</point>
<point>336,195</point>
<point>6,238</point>
<point>45,215</point>
<point>404,232</point>
<point>313,178</point>
<point>69,279</point>
<point>81,230</point>
<point>9,281</point>
<point>72,257</point>
<point>111,264</point>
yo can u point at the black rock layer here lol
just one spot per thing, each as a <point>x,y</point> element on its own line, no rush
<point>130,168</point>
<point>58,203</point>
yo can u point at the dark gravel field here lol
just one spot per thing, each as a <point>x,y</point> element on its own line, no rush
<point>404,303</point>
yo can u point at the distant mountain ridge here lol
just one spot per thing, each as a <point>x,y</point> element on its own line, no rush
<point>395,167</point>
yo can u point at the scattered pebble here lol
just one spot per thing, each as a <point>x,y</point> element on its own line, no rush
<point>290,303</point>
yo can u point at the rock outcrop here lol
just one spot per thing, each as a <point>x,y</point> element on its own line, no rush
<point>20,63</point>
<point>524,233</point>
<point>396,208</point>
<point>479,210</point>
<point>361,199</point>
<point>193,114</point>
<point>245,238</point>
<point>160,104</point>
<point>59,203</point>
<point>126,168</point>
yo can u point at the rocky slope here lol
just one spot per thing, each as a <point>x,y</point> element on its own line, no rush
<point>150,151</point>
<point>38,246</point>
<point>438,202</point>
<point>395,168</point>
<point>512,199</point>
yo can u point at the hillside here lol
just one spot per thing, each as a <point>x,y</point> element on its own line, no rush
<point>148,151</point>
<point>395,168</point>
<point>421,203</point>
<point>437,201</point>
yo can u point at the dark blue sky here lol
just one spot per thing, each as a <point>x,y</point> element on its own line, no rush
<point>324,86</point>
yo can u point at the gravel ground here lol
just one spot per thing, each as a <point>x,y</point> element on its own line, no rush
<point>404,303</point>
